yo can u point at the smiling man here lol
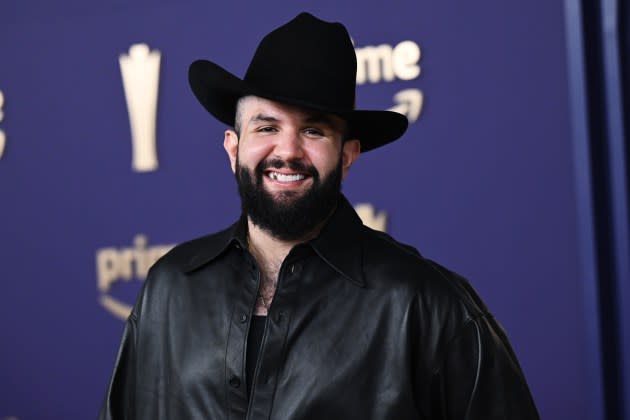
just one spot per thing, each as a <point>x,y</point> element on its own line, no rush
<point>289,163</point>
<point>298,311</point>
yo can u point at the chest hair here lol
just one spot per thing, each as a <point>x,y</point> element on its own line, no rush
<point>268,282</point>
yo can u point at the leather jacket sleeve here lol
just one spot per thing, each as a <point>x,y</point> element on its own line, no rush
<point>476,374</point>
<point>119,401</point>
<point>480,378</point>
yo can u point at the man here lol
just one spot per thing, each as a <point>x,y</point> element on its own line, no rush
<point>298,311</point>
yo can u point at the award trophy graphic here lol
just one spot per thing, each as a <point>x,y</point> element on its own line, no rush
<point>372,219</point>
<point>140,71</point>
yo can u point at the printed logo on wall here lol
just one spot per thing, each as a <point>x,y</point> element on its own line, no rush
<point>370,218</point>
<point>140,71</point>
<point>3,136</point>
<point>131,264</point>
<point>386,63</point>
<point>125,264</point>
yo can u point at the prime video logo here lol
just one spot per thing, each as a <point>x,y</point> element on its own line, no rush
<point>124,264</point>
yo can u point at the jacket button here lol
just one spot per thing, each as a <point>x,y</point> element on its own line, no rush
<point>281,315</point>
<point>235,382</point>
<point>242,318</point>
<point>294,269</point>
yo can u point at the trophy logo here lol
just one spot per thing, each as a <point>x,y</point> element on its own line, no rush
<point>371,219</point>
<point>140,71</point>
<point>3,137</point>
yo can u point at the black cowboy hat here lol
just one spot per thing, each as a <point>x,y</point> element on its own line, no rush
<point>306,62</point>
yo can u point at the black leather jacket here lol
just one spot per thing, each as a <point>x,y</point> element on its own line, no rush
<point>361,327</point>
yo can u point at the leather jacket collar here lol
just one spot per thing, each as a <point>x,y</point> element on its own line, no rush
<point>336,244</point>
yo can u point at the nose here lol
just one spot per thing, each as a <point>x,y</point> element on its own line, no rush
<point>289,146</point>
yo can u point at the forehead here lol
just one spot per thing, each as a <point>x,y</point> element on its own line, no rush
<point>251,107</point>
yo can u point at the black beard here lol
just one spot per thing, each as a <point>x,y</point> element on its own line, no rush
<point>288,216</point>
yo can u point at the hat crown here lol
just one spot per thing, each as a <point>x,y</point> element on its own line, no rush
<point>309,59</point>
<point>307,62</point>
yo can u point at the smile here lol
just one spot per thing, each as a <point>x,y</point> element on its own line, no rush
<point>280,177</point>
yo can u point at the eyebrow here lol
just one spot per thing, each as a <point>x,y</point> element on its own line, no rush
<point>330,121</point>
<point>263,118</point>
<point>315,118</point>
<point>320,118</point>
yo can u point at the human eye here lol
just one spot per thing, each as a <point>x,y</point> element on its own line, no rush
<point>266,129</point>
<point>314,132</point>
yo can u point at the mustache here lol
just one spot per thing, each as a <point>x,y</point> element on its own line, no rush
<point>294,165</point>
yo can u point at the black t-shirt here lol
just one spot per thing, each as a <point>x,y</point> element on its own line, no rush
<point>256,331</point>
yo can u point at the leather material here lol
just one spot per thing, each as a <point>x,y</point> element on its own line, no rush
<point>361,327</point>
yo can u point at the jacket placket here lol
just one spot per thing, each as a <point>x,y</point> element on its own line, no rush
<point>273,344</point>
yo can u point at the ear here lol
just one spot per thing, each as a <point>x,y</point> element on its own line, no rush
<point>350,152</point>
<point>230,144</point>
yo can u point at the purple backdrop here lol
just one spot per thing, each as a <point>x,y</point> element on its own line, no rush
<point>482,182</point>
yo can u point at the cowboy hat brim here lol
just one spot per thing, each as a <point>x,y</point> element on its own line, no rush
<point>219,91</point>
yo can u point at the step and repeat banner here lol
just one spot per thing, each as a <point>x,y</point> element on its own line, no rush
<point>107,161</point>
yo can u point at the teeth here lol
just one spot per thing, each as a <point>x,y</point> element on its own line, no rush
<point>285,177</point>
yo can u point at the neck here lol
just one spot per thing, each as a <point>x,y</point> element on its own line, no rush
<point>269,253</point>
<point>269,250</point>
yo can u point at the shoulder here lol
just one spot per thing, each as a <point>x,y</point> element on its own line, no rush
<point>174,268</point>
<point>392,264</point>
<point>170,275</point>
<point>191,254</point>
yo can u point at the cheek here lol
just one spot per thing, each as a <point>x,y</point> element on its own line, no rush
<point>325,159</point>
<point>252,153</point>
